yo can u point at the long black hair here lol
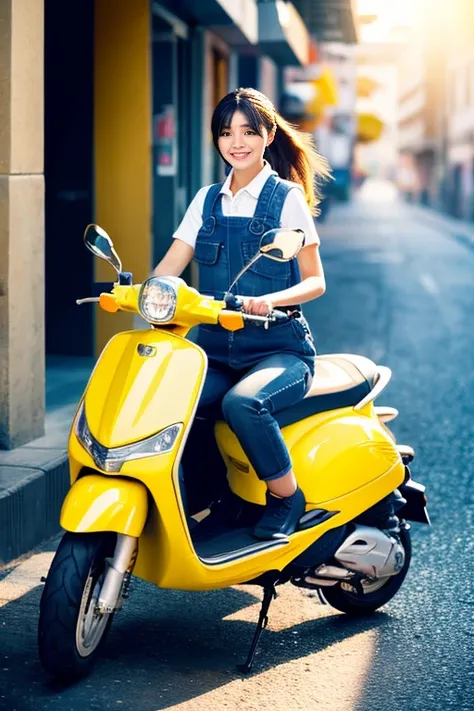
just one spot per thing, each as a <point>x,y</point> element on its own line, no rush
<point>292,153</point>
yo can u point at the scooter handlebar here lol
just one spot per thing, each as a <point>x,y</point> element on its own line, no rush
<point>235,303</point>
<point>98,288</point>
<point>273,317</point>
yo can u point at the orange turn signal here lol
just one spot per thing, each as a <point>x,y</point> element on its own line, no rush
<point>231,320</point>
<point>108,303</point>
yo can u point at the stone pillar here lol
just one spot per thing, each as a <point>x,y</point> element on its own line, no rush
<point>22,361</point>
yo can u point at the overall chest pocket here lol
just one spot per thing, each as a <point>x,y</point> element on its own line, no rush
<point>279,272</point>
<point>206,251</point>
<point>213,272</point>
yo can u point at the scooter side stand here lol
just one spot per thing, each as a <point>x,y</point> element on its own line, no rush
<point>269,594</point>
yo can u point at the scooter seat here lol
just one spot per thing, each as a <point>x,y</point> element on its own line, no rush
<point>340,380</point>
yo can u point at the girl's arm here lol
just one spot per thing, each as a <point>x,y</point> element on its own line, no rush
<point>296,214</point>
<point>311,286</point>
<point>175,260</point>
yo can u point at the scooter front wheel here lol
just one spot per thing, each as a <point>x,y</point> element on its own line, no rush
<point>71,631</point>
<point>376,593</point>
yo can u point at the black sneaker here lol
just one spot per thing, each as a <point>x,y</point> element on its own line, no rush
<point>280,516</point>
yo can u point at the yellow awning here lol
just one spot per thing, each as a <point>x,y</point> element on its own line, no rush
<point>365,86</point>
<point>369,128</point>
<point>325,94</point>
<point>326,88</point>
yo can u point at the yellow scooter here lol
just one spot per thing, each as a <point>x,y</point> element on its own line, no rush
<point>131,507</point>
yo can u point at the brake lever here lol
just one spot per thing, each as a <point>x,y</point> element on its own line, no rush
<point>88,300</point>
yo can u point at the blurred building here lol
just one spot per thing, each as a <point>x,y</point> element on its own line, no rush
<point>422,91</point>
<point>105,117</point>
<point>436,108</point>
<point>377,110</point>
<point>320,98</point>
<point>337,130</point>
<point>458,185</point>
<point>330,20</point>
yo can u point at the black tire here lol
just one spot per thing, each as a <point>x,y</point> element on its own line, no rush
<point>357,605</point>
<point>79,562</point>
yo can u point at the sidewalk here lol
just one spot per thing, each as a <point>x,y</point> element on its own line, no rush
<point>34,478</point>
<point>459,229</point>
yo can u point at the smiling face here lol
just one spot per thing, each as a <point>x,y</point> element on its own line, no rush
<point>241,145</point>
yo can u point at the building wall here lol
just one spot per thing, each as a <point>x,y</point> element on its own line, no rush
<point>422,120</point>
<point>459,111</point>
<point>269,80</point>
<point>216,86</point>
<point>122,139</point>
<point>21,223</point>
<point>412,67</point>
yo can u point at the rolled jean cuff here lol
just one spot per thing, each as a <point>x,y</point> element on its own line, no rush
<point>283,472</point>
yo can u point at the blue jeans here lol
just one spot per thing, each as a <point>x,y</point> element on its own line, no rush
<point>249,400</point>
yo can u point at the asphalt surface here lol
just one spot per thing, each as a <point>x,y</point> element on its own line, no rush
<point>401,292</point>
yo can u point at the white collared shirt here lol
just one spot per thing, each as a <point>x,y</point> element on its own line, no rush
<point>295,213</point>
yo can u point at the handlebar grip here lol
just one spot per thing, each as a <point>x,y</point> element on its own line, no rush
<point>99,287</point>
<point>279,316</point>
<point>233,302</point>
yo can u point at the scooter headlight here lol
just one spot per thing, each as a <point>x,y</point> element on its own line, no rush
<point>157,299</point>
<point>111,460</point>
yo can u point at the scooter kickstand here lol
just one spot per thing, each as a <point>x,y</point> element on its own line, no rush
<point>269,594</point>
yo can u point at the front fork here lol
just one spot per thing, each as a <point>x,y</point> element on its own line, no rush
<point>118,568</point>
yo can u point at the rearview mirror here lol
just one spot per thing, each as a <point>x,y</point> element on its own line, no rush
<point>282,244</point>
<point>98,241</point>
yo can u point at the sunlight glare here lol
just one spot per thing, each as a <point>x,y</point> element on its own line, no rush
<point>391,14</point>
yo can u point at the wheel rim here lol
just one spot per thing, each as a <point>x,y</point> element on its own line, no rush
<point>90,624</point>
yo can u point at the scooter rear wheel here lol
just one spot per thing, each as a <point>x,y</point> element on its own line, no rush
<point>374,596</point>
<point>70,633</point>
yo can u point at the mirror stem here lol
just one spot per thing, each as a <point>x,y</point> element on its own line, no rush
<point>242,271</point>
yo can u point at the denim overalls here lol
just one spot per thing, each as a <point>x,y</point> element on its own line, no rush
<point>258,371</point>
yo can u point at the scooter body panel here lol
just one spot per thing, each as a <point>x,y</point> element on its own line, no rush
<point>118,505</point>
<point>334,454</point>
<point>133,396</point>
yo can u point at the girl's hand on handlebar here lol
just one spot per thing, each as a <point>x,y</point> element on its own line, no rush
<point>257,305</point>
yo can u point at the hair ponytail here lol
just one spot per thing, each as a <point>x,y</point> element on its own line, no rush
<point>292,153</point>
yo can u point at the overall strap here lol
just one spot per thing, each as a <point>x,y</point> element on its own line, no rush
<point>210,200</point>
<point>263,204</point>
<point>279,196</point>
<point>209,220</point>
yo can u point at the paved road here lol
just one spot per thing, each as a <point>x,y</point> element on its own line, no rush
<point>401,292</point>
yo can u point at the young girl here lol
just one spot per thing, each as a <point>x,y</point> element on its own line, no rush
<point>257,372</point>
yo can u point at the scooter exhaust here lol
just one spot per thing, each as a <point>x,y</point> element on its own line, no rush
<point>322,575</point>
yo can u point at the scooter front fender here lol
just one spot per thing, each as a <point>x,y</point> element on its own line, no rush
<point>104,503</point>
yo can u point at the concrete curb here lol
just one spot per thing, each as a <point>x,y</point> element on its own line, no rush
<point>33,484</point>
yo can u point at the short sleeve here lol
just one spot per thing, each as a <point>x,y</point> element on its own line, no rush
<point>191,223</point>
<point>296,215</point>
